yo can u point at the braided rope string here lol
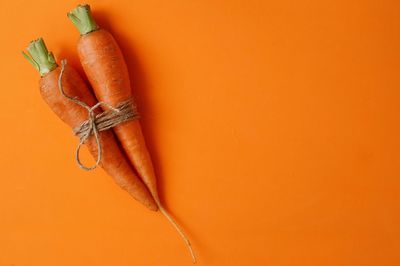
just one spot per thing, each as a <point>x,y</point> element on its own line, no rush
<point>123,112</point>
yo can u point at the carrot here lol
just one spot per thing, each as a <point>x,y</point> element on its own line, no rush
<point>107,72</point>
<point>113,160</point>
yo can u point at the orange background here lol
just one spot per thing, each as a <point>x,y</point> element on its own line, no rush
<point>274,127</point>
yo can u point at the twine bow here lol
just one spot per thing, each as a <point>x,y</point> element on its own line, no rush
<point>96,123</point>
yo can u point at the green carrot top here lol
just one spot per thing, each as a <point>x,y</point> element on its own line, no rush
<point>83,20</point>
<point>40,57</point>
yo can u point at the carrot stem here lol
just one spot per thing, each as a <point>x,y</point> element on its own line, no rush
<point>82,18</point>
<point>40,57</point>
<point>179,230</point>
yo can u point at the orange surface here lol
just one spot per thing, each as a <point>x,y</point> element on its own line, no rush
<point>274,127</point>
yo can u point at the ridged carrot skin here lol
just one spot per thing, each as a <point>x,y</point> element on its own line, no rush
<point>113,160</point>
<point>105,67</point>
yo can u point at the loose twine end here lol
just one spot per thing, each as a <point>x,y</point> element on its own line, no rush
<point>123,112</point>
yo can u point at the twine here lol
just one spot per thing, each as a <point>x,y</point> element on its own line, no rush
<point>123,112</point>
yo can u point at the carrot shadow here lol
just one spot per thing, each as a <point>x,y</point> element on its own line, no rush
<point>139,84</point>
<point>141,87</point>
<point>70,54</point>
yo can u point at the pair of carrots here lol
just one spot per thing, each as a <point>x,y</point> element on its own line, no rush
<point>106,70</point>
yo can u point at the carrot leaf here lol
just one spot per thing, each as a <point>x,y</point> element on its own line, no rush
<point>40,57</point>
<point>31,60</point>
<point>82,18</point>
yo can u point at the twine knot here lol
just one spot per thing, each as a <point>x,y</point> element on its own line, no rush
<point>94,124</point>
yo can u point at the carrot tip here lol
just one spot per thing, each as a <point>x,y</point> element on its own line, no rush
<point>180,231</point>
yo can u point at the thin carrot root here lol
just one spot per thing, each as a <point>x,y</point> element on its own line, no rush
<point>179,230</point>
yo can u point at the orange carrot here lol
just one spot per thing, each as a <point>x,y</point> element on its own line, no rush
<point>107,72</point>
<point>113,160</point>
